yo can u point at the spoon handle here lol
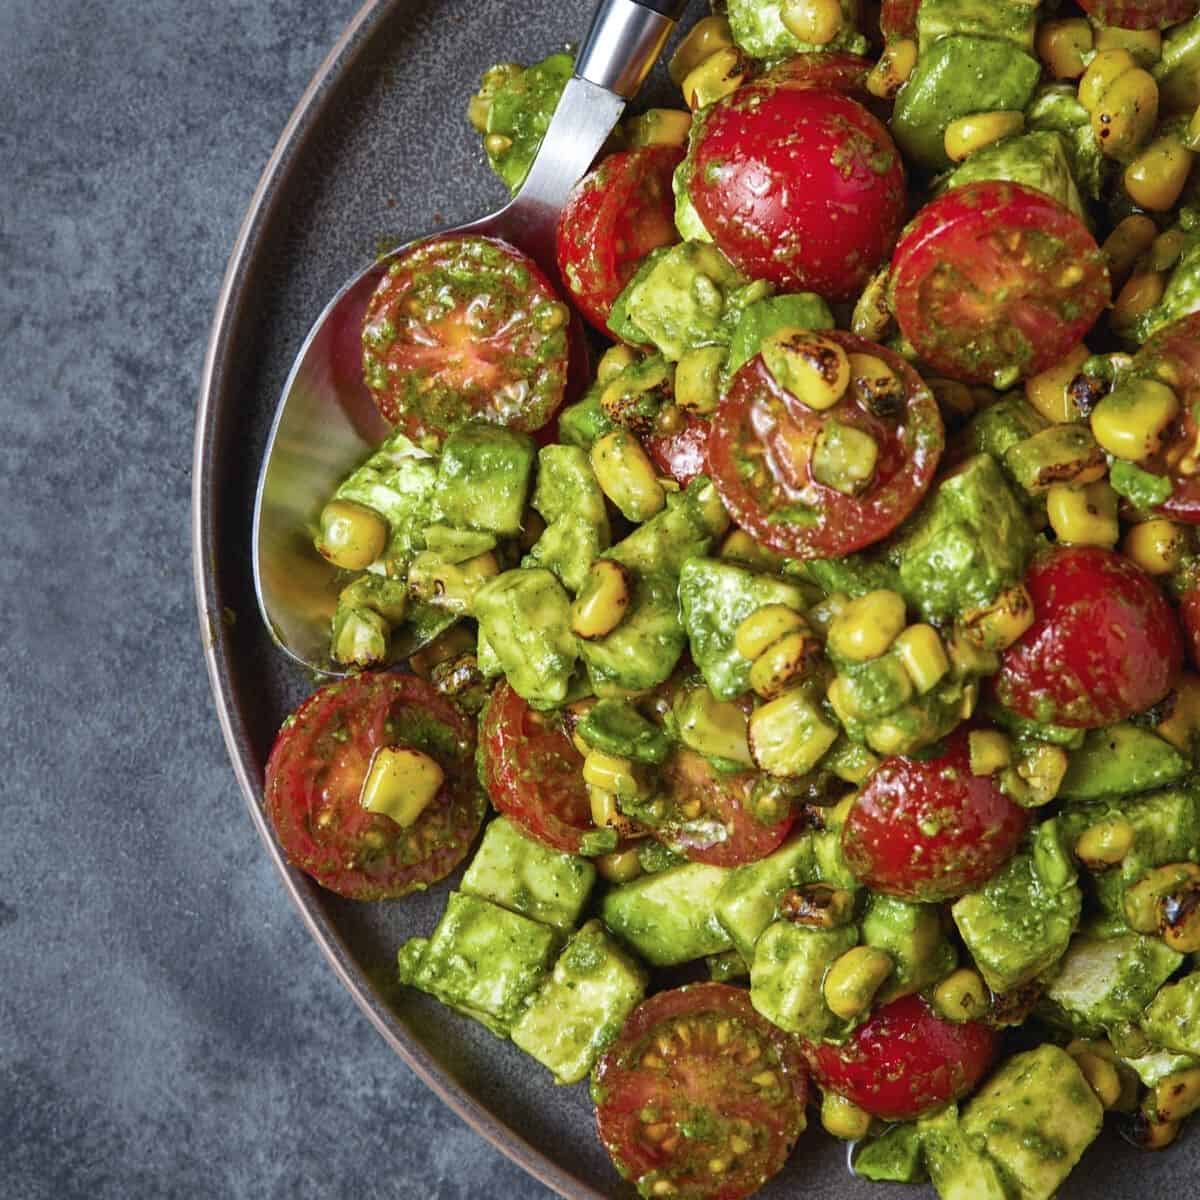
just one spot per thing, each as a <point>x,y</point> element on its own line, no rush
<point>624,42</point>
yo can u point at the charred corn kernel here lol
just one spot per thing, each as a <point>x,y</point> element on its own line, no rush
<point>1042,769</point>
<point>716,77</point>
<point>1130,421</point>
<point>1102,1077</point>
<point>1106,843</point>
<point>1155,179</point>
<point>765,626</point>
<point>854,978</point>
<point>659,127</point>
<point>1180,919</point>
<point>1144,899</point>
<point>1165,251</point>
<point>1142,291</point>
<point>1102,72</point>
<point>813,368</point>
<point>964,135</point>
<point>997,625</point>
<point>783,663</point>
<point>1061,46</point>
<point>875,385</point>
<point>713,727</point>
<point>740,545</point>
<point>622,866</point>
<point>698,379</point>
<point>1145,45</point>
<point>1177,1096</point>
<point>450,586</point>
<point>842,1118</point>
<point>969,701</point>
<point>866,627</point>
<point>817,906</point>
<point>352,536</point>
<point>603,600</point>
<point>788,735</point>
<point>844,457</point>
<point>613,361</point>
<point>703,39</point>
<point>961,996</point>
<point>815,21</point>
<point>610,773</point>
<point>626,476</point>
<point>455,641</point>
<point>920,649</point>
<point>603,804</point>
<point>1154,1135</point>
<point>967,658</point>
<point>1085,516</point>
<point>1181,726</point>
<point>1127,243</point>
<point>1126,113</point>
<point>823,614</point>
<point>401,784</point>
<point>497,143</point>
<point>990,751</point>
<point>1050,392</point>
<point>894,67</point>
<point>670,420</point>
<point>1156,546</point>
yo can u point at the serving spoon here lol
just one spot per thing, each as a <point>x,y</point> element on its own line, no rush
<point>327,422</point>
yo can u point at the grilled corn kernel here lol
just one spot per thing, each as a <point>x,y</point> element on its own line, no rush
<point>706,37</point>
<point>854,978</point>
<point>1142,291</point>
<point>1102,1077</point>
<point>966,658</point>
<point>450,586</point>
<point>1106,843</point>
<point>1156,546</point>
<point>866,627</point>
<point>1050,392</point>
<point>626,476</point>
<point>920,649</point>
<point>783,663</point>
<point>659,127</point>
<point>1042,769</point>
<point>817,22</point>
<point>813,368</point>
<point>842,1118</point>
<point>1125,116</point>
<point>1145,45</point>
<point>698,379</point>
<point>603,599</point>
<point>740,545</point>
<point>1144,900</point>
<point>497,143</point>
<point>1180,919</point>
<point>1154,1135</point>
<point>990,751</point>
<point>716,77</point>
<point>611,773</point>
<point>997,625</point>
<point>875,385</point>
<point>455,641</point>
<point>622,866</point>
<point>892,70</point>
<point>352,536</point>
<point>1102,72</point>
<point>844,457</point>
<point>603,804</point>
<point>961,996</point>
<point>1181,726</point>
<point>965,135</point>
<point>1177,1096</point>
<point>711,726</point>
<point>788,735</point>
<point>1155,179</point>
<point>1085,516</point>
<point>1127,243</point>
<point>1130,421</point>
<point>765,626</point>
<point>613,361</point>
<point>817,906</point>
<point>1061,46</point>
<point>822,615</point>
<point>401,784</point>
<point>840,695</point>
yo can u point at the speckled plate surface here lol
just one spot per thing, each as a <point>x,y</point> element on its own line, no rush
<point>377,152</point>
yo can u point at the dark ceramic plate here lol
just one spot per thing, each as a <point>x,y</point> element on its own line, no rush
<point>376,153</point>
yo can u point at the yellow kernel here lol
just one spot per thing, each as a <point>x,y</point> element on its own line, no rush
<point>1156,546</point>
<point>866,627</point>
<point>765,626</point>
<point>813,368</point>
<point>1050,392</point>
<point>1085,516</point>
<point>1061,45</point>
<point>965,135</point>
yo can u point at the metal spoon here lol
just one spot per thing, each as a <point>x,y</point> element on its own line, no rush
<point>327,423</point>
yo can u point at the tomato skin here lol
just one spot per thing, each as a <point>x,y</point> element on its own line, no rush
<point>1139,14</point>
<point>1104,644</point>
<point>1189,614</point>
<point>684,454</point>
<point>905,1061</point>
<point>772,163</point>
<point>615,216</point>
<point>929,830</point>
<point>898,19</point>
<point>973,304</point>
<point>316,769</point>
<point>756,411</point>
<point>826,70</point>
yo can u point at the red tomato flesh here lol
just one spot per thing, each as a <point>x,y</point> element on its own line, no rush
<point>684,454</point>
<point>697,1080</point>
<point>928,829</point>
<point>1139,14</point>
<point>316,771</point>
<point>905,1060</point>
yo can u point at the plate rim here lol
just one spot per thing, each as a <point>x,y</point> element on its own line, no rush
<point>228,311</point>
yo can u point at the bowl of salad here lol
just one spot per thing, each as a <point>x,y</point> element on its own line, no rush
<point>767,712</point>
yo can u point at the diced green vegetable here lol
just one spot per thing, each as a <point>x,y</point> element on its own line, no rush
<point>1007,20</point>
<point>958,1166</point>
<point>787,972</point>
<point>1036,160</point>
<point>747,902</point>
<point>1172,1021</point>
<point>584,422</point>
<point>912,935</point>
<point>570,501</point>
<point>893,1157</point>
<point>1178,70</point>
<point>483,478</point>
<point>1143,489</point>
<point>758,29</point>
<point>684,529</point>
<point>616,727</point>
<point>803,310</point>
<point>1121,761</point>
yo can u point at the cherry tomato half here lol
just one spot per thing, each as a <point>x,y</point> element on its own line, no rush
<point>905,1060</point>
<point>772,164</point>
<point>700,1091</point>
<point>760,453</point>
<point>683,454</point>
<point>995,277</point>
<point>464,327</point>
<point>929,830</point>
<point>1104,643</point>
<point>316,771</point>
<point>826,70</point>
<point>1139,14</point>
<point>615,216</point>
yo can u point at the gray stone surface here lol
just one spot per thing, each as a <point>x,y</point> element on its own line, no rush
<point>167,1027</point>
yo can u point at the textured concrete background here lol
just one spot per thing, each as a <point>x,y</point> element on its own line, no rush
<point>167,1028</point>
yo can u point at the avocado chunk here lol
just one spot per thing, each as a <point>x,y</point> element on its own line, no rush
<point>715,597</point>
<point>684,529</point>
<point>529,878</point>
<point>893,1157</point>
<point>1154,1067</point>
<point>1007,20</point>
<point>954,77</point>
<point>616,727</point>
<point>1055,108</point>
<point>1178,71</point>
<point>968,542</point>
<point>758,28</point>
<point>912,935</point>
<point>1056,455</point>
<point>1143,489</point>
<point>1181,296</point>
<point>450,545</point>
<point>526,617</point>
<point>853,574</point>
<point>787,971</point>
<point>1037,160</point>
<point>483,478</point>
<point>669,918</point>
<point>802,310</point>
<point>585,422</point>
<point>748,899</point>
<point>687,220</point>
<point>1121,760</point>
<point>1173,1019</point>
<point>1002,425</point>
<point>570,501</point>
<point>958,1165</point>
<point>582,1005</point>
<point>1035,1117</point>
<point>482,960</point>
<point>1018,924</point>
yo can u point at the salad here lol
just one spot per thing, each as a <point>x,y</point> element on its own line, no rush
<point>808,687</point>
